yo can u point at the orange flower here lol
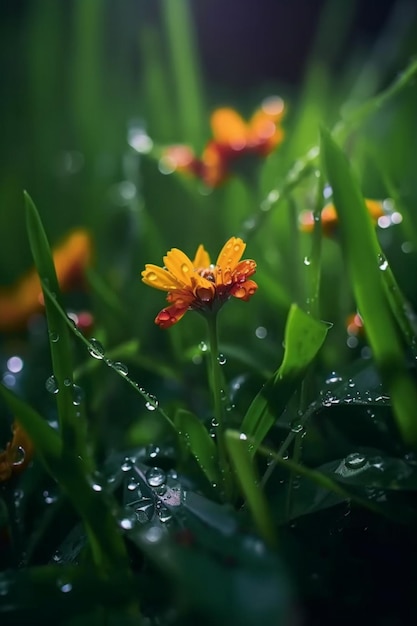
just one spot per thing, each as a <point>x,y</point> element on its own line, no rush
<point>329,220</point>
<point>17,455</point>
<point>354,325</point>
<point>198,285</point>
<point>232,139</point>
<point>19,302</point>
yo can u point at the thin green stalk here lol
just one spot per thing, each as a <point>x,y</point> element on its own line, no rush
<point>184,58</point>
<point>217,390</point>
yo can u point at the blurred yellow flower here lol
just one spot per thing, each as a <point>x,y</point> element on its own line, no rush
<point>232,139</point>
<point>198,285</point>
<point>19,302</point>
<point>329,219</point>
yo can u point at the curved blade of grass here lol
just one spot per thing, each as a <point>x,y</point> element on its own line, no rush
<point>73,475</point>
<point>324,481</point>
<point>239,450</point>
<point>69,423</point>
<point>184,56</point>
<point>304,337</point>
<point>201,445</point>
<point>361,250</point>
<point>108,362</point>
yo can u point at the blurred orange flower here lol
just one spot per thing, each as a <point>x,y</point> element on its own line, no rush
<point>232,139</point>
<point>19,302</point>
<point>329,220</point>
<point>17,455</point>
<point>198,285</point>
<point>354,325</point>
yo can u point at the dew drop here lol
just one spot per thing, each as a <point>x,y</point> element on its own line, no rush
<point>126,465</point>
<point>54,337</point>
<point>132,484</point>
<point>96,349</point>
<point>19,455</point>
<point>297,428</point>
<point>307,260</point>
<point>382,262</point>
<point>155,477</point>
<point>221,359</point>
<point>355,460</point>
<point>184,268</point>
<point>121,368</point>
<point>77,395</point>
<point>203,346</point>
<point>67,382</point>
<point>126,523</point>
<point>333,378</point>
<point>151,403</point>
<point>65,587</point>
<point>51,385</point>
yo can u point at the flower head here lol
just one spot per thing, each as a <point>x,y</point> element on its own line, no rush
<point>19,302</point>
<point>329,219</point>
<point>232,139</point>
<point>199,285</point>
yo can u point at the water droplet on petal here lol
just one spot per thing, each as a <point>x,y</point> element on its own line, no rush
<point>96,349</point>
<point>51,385</point>
<point>18,456</point>
<point>155,476</point>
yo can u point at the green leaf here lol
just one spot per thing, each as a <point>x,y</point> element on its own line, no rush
<point>304,337</point>
<point>239,451</point>
<point>70,424</point>
<point>198,440</point>
<point>361,251</point>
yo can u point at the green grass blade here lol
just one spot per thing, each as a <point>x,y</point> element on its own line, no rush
<point>201,445</point>
<point>239,451</point>
<point>184,55</point>
<point>361,250</point>
<point>69,422</point>
<point>304,337</point>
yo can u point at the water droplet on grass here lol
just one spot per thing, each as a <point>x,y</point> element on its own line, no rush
<point>96,349</point>
<point>54,337</point>
<point>121,368</point>
<point>221,359</point>
<point>203,346</point>
<point>51,385</point>
<point>382,262</point>
<point>151,403</point>
<point>155,476</point>
<point>355,461</point>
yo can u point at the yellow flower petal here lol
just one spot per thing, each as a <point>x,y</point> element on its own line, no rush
<point>231,253</point>
<point>158,278</point>
<point>180,266</point>
<point>201,259</point>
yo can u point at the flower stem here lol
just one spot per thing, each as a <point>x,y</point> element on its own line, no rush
<point>217,390</point>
